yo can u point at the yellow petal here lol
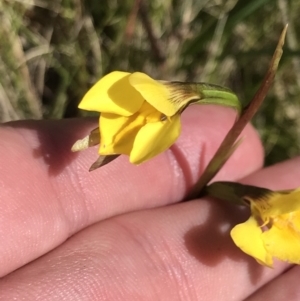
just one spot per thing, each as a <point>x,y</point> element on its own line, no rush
<point>247,236</point>
<point>294,219</point>
<point>118,133</point>
<point>280,203</point>
<point>155,93</point>
<point>283,243</point>
<point>155,138</point>
<point>113,94</point>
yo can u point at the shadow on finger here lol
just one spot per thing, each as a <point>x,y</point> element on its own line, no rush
<point>52,140</point>
<point>210,243</point>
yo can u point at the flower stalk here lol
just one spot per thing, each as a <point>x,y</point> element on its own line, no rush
<point>231,142</point>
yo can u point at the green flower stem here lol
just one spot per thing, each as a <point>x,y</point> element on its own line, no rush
<point>213,94</point>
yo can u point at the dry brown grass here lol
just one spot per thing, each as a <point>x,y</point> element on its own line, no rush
<point>51,52</point>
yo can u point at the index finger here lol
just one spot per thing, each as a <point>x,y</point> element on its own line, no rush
<point>47,193</point>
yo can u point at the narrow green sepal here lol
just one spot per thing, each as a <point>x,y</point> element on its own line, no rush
<point>214,94</point>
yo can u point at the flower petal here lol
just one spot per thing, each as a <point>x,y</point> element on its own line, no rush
<point>280,203</point>
<point>118,133</point>
<point>247,236</point>
<point>283,242</point>
<point>155,138</point>
<point>113,94</point>
<point>155,93</point>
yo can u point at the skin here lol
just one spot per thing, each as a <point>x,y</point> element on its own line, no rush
<point>120,232</point>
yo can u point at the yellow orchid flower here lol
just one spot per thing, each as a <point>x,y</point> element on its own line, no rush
<point>140,116</point>
<point>273,229</point>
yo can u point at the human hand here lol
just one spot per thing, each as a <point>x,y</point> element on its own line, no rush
<point>67,234</point>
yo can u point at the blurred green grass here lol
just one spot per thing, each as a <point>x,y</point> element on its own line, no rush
<point>51,52</point>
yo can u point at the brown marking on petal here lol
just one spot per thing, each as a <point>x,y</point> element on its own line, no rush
<point>182,93</point>
<point>163,117</point>
<point>94,137</point>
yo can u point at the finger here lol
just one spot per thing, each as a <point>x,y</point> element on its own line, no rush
<point>179,252</point>
<point>284,173</point>
<point>285,287</point>
<point>47,194</point>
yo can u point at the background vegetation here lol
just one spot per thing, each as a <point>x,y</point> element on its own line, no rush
<point>52,51</point>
